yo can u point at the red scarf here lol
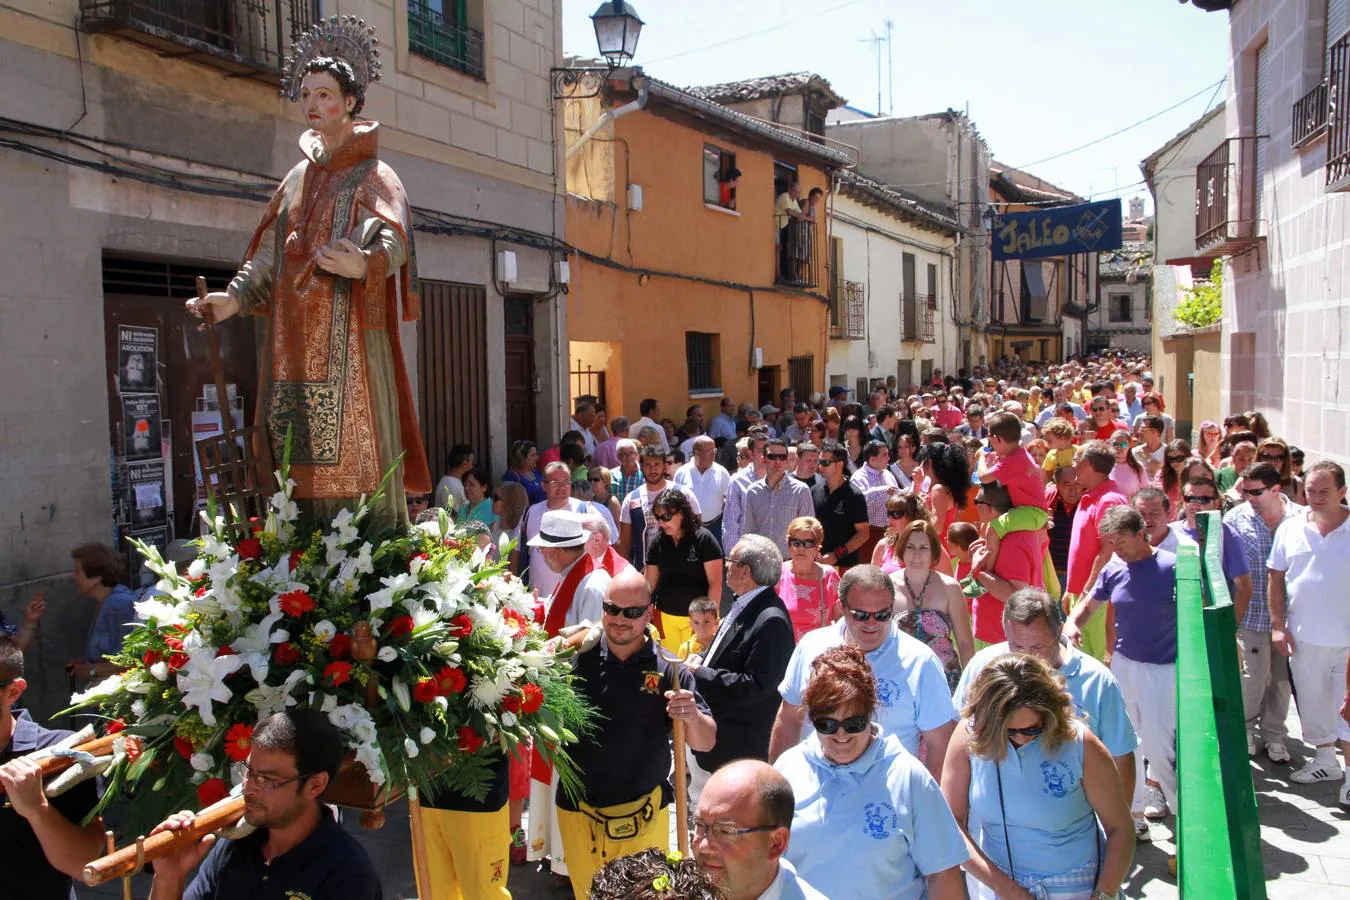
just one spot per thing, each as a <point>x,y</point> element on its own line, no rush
<point>562,598</point>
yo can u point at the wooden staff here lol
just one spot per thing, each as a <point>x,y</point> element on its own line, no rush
<point>681,789</point>
<point>132,859</point>
<point>52,765</point>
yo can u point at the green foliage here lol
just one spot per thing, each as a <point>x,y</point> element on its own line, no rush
<point>1203,304</point>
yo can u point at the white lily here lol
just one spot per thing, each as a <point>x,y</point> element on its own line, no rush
<point>201,762</point>
<point>273,698</point>
<point>401,695</point>
<point>410,748</point>
<point>160,670</point>
<point>343,524</point>
<point>105,687</point>
<point>158,612</point>
<point>394,585</point>
<point>254,646</point>
<point>426,736</point>
<point>202,681</point>
<point>324,630</point>
<point>368,755</point>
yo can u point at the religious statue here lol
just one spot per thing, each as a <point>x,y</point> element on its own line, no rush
<point>331,267</point>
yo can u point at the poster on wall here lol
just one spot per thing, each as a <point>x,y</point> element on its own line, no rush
<point>140,427</point>
<point>137,359</point>
<point>145,495</point>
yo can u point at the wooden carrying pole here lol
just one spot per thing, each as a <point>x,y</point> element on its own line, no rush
<point>131,859</point>
<point>681,788</point>
<point>52,765</point>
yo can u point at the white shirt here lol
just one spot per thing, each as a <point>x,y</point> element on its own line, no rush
<point>588,600</point>
<point>709,487</point>
<point>635,429</point>
<point>587,439</point>
<point>541,576</point>
<point>1316,570</point>
<point>788,885</point>
<point>725,628</point>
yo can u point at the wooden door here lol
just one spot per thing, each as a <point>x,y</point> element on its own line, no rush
<point>518,354</point>
<point>452,354</point>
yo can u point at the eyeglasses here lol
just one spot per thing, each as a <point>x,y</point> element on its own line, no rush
<point>596,480</point>
<point>734,562</point>
<point>628,612</point>
<point>1271,457</point>
<point>553,482</point>
<point>1097,408</point>
<point>1192,498</point>
<point>266,783</point>
<point>862,615</point>
<point>776,456</point>
<point>663,516</point>
<point>851,725</point>
<point>716,831</point>
<point>1176,459</point>
<point>801,543</point>
<point>1030,731</point>
<point>1254,492</point>
<point>1121,445</point>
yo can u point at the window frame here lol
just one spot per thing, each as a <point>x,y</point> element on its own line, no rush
<point>709,366</point>
<point>1123,316</point>
<point>726,161</point>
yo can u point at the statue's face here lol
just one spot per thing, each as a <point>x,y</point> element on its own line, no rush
<point>323,102</point>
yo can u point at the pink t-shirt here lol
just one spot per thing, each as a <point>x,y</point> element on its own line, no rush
<point>1019,473</point>
<point>889,563</point>
<point>948,418</point>
<point>1085,543</point>
<point>1019,559</point>
<point>808,602</point>
<point>1127,479</point>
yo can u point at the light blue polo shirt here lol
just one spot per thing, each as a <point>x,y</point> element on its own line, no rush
<point>876,827</point>
<point>912,693</point>
<point>1095,692</point>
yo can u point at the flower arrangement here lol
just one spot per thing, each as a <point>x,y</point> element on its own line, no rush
<point>425,655</point>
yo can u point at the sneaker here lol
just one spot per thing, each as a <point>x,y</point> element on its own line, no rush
<point>1251,744</point>
<point>1276,752</point>
<point>1314,771</point>
<point>1142,834</point>
<point>1343,798</point>
<point>1155,804</point>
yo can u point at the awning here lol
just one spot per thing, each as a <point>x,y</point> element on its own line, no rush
<point>1034,277</point>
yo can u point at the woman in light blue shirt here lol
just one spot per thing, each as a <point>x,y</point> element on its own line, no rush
<point>1034,791</point>
<point>869,819</point>
<point>478,507</point>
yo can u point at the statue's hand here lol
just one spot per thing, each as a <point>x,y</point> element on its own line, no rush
<point>342,258</point>
<point>222,305</point>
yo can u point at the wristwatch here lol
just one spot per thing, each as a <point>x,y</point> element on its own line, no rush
<point>1099,894</point>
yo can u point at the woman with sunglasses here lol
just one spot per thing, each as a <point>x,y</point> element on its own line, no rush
<point>808,588</point>
<point>1275,450</point>
<point>602,489</point>
<point>1154,405</point>
<point>684,562</point>
<point>1034,791</point>
<point>929,605</point>
<point>1128,474</point>
<point>1175,456</point>
<point>850,770</point>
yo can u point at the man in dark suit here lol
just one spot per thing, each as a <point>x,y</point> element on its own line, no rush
<point>739,675</point>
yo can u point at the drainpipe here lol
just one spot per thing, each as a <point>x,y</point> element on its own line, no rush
<point>610,116</point>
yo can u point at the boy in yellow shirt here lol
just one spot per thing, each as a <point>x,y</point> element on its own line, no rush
<point>703,619</point>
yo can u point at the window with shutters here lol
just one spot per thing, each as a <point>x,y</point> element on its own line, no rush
<point>1120,308</point>
<point>701,358</point>
<point>1261,125</point>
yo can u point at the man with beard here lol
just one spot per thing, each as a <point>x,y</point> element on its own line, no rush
<point>298,847</point>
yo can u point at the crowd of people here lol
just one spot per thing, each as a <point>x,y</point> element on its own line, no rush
<point>918,645</point>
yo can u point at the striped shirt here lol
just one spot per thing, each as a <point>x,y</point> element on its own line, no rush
<point>621,485</point>
<point>877,487</point>
<point>1257,539</point>
<point>769,510</point>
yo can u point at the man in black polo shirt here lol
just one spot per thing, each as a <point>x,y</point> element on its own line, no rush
<point>840,507</point>
<point>636,689</point>
<point>299,850</point>
<point>42,843</point>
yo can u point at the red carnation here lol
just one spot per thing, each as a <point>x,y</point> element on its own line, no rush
<point>517,620</point>
<point>296,603</point>
<point>183,746</point>
<point>511,703</point>
<point>461,626</point>
<point>425,690</point>
<point>238,742</point>
<point>399,627</point>
<point>116,725</point>
<point>200,592</point>
<point>151,657</point>
<point>177,660</point>
<point>469,741</point>
<point>224,651</point>
<point>250,548</point>
<point>287,654</point>
<point>294,559</point>
<point>533,699</point>
<point>340,647</point>
<point>173,642</point>
<point>450,680</point>
<point>212,790</point>
<point>337,673</point>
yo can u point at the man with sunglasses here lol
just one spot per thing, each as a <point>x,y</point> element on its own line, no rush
<point>1200,495</point>
<point>774,501</point>
<point>298,849</point>
<point>913,699</point>
<point>1104,417</point>
<point>841,509</point>
<point>623,763</point>
<point>1265,673</point>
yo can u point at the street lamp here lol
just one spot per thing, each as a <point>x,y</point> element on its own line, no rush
<point>617,28</point>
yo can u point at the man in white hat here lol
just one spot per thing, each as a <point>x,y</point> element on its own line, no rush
<point>578,599</point>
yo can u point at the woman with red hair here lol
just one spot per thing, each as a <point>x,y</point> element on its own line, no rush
<point>1155,405</point>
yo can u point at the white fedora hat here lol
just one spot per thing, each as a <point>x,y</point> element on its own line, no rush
<point>559,528</point>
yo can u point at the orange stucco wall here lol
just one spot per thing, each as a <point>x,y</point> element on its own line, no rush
<point>646,318</point>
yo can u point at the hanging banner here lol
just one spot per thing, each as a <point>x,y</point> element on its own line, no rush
<point>137,359</point>
<point>140,427</point>
<point>1060,231</point>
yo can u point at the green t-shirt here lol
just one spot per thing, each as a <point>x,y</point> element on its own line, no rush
<point>1227,477</point>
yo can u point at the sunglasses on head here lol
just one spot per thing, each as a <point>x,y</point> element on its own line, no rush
<point>1030,731</point>
<point>862,615</point>
<point>628,612</point>
<point>801,543</point>
<point>851,725</point>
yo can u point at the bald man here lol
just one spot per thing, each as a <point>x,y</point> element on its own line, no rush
<point>741,832</point>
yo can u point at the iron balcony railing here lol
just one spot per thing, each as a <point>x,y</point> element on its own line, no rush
<point>1310,116</point>
<point>450,43</point>
<point>1338,116</point>
<point>917,319</point>
<point>848,310</point>
<point>1225,196</point>
<point>797,251</point>
<point>246,38</point>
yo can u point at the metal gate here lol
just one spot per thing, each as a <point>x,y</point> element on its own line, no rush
<point>801,375</point>
<point>588,382</point>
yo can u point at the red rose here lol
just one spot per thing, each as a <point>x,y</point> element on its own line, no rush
<point>238,742</point>
<point>287,654</point>
<point>337,673</point>
<point>450,680</point>
<point>461,626</point>
<point>183,746</point>
<point>212,790</point>
<point>340,647</point>
<point>532,700</point>
<point>151,657</point>
<point>177,660</point>
<point>249,548</point>
<point>296,603</point>
<point>469,741</point>
<point>116,725</point>
<point>399,627</point>
<point>425,690</point>
<point>294,559</point>
<point>511,703</point>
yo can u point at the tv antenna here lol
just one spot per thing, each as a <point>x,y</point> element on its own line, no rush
<point>878,41</point>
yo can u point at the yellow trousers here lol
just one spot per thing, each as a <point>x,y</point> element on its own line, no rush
<point>587,847</point>
<point>460,855</point>
<point>678,629</point>
<point>1094,631</point>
